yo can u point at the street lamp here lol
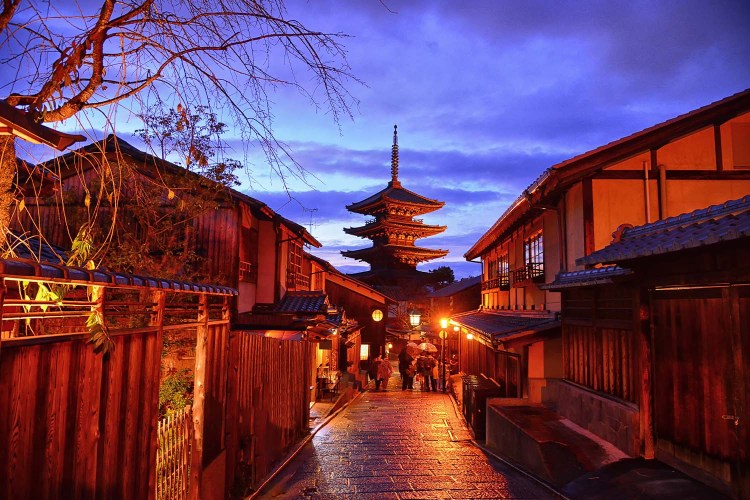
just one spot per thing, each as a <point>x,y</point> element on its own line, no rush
<point>443,334</point>
<point>415,318</point>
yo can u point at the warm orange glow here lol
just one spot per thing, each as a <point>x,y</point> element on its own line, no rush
<point>377,315</point>
<point>469,336</point>
<point>444,323</point>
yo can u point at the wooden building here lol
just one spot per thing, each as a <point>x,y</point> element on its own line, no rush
<point>664,327</point>
<point>236,240</point>
<point>570,211</point>
<point>393,256</point>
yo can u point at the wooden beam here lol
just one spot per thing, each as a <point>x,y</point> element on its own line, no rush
<point>717,148</point>
<point>588,216</point>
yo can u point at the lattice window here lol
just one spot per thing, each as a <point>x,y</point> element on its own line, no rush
<point>533,256</point>
<point>503,271</point>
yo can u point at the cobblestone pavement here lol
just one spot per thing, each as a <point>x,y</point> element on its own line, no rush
<point>398,444</point>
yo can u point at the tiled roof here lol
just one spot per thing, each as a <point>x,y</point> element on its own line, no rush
<point>503,325</point>
<point>395,192</point>
<point>718,223</point>
<point>31,247</point>
<point>303,302</point>
<point>458,286</point>
<point>587,277</point>
<point>19,269</point>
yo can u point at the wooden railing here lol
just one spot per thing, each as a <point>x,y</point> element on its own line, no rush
<point>501,282</point>
<point>174,434</point>
<point>297,280</point>
<point>529,272</point>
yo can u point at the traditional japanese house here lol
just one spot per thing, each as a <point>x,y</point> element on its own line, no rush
<point>237,240</point>
<point>393,256</point>
<point>368,306</point>
<point>570,211</point>
<point>677,343</point>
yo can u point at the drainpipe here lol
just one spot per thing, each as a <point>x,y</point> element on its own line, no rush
<point>647,191</point>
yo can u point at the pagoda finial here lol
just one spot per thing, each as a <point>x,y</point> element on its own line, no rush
<point>394,155</point>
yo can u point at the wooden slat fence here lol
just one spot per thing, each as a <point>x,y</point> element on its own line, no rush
<point>175,434</point>
<point>74,423</point>
<point>268,401</point>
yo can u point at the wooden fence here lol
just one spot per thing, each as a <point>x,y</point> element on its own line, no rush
<point>268,395</point>
<point>175,434</point>
<point>75,423</point>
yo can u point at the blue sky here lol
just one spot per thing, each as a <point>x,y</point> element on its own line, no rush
<point>486,94</point>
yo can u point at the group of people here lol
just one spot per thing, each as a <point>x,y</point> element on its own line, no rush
<point>424,366</point>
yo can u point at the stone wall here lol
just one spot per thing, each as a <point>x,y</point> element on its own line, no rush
<point>613,420</point>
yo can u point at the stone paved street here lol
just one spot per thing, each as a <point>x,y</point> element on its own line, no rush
<point>396,444</point>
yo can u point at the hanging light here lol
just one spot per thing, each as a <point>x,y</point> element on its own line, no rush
<point>377,315</point>
<point>415,318</point>
<point>444,323</point>
<point>469,336</point>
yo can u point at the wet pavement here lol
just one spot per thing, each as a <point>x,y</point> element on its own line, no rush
<point>398,444</point>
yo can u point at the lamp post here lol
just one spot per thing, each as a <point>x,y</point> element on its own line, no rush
<point>443,334</point>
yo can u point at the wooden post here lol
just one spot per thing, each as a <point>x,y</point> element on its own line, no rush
<point>643,323</point>
<point>158,298</point>
<point>199,397</point>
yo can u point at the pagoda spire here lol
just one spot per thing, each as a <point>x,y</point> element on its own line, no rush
<point>394,156</point>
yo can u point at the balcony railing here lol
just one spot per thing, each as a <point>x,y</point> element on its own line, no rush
<point>297,280</point>
<point>500,282</point>
<point>248,272</point>
<point>531,272</point>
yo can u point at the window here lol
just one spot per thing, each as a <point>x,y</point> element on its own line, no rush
<point>504,271</point>
<point>248,266</point>
<point>294,276</point>
<point>533,256</point>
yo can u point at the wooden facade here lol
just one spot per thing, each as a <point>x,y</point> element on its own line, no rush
<point>74,422</point>
<point>593,372</point>
<point>268,391</point>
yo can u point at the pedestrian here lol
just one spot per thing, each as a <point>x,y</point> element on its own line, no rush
<point>425,363</point>
<point>405,364</point>
<point>384,372</point>
<point>435,373</point>
<point>373,371</point>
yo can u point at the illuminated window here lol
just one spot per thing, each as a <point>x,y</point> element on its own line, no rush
<point>741,145</point>
<point>377,315</point>
<point>533,256</point>
<point>503,270</point>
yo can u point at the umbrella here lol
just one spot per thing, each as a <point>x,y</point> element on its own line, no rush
<point>413,349</point>
<point>426,346</point>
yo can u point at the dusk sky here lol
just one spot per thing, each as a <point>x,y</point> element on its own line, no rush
<point>487,94</point>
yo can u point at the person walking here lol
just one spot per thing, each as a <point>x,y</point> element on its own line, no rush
<point>373,371</point>
<point>425,362</point>
<point>435,372</point>
<point>405,369</point>
<point>384,372</point>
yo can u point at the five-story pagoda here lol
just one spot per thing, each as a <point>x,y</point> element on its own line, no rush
<point>393,256</point>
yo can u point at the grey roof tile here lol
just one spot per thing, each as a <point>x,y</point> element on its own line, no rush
<point>708,226</point>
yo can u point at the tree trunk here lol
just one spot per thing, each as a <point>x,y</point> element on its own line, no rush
<point>7,173</point>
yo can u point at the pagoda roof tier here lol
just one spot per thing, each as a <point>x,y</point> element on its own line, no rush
<point>395,200</point>
<point>384,227</point>
<point>405,254</point>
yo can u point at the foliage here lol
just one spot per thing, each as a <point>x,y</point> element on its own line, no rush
<point>195,137</point>
<point>175,392</point>
<point>441,277</point>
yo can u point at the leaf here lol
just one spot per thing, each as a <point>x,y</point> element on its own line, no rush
<point>21,206</point>
<point>87,200</point>
<point>170,194</point>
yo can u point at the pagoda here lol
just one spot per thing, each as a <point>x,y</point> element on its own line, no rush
<point>393,256</point>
